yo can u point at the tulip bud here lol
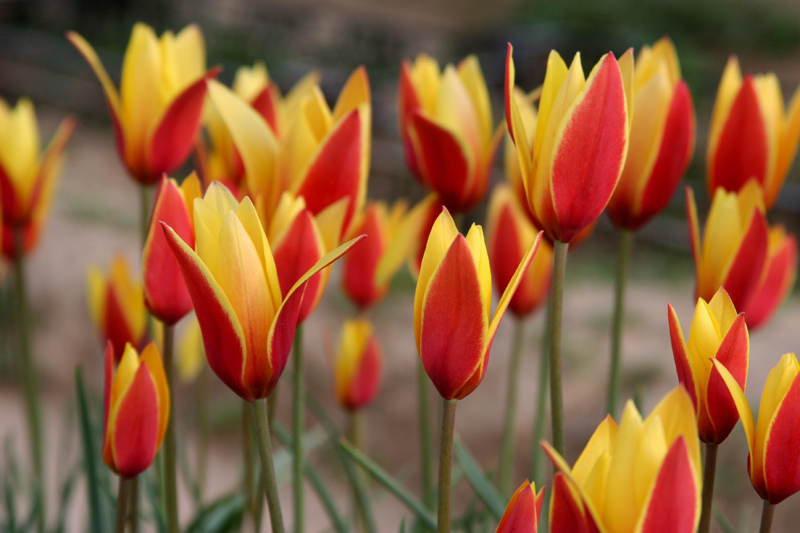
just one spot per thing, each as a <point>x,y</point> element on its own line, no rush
<point>357,370</point>
<point>523,510</point>
<point>777,280</point>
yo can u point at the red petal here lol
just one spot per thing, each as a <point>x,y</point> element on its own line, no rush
<point>674,504</point>
<point>367,378</point>
<point>359,265</point>
<point>682,365</point>
<point>522,512</point>
<point>408,103</point>
<point>117,330</point>
<point>568,514</point>
<point>733,353</point>
<point>136,426</point>
<point>109,378</point>
<point>267,103</point>
<point>506,250</point>
<point>775,285</point>
<point>781,464</point>
<point>745,272</point>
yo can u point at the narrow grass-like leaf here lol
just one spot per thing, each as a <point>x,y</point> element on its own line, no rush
<point>487,492</point>
<point>67,490</point>
<point>98,520</point>
<point>222,516</point>
<point>155,499</point>
<point>723,522</point>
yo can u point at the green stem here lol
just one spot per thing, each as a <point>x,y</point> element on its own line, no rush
<point>709,471</point>
<point>423,411</point>
<point>133,506</point>
<point>556,312</point>
<point>122,502</point>
<point>538,463</point>
<point>509,429</point>
<point>623,260</point>
<point>272,406</point>
<point>247,459</point>
<point>767,512</point>
<point>28,368</point>
<point>358,438</point>
<point>267,467</point>
<point>202,431</point>
<point>297,429</point>
<point>445,462</point>
<point>170,478</point>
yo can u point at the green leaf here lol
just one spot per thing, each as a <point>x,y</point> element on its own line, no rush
<point>478,480</point>
<point>98,519</point>
<point>222,516</point>
<point>723,522</point>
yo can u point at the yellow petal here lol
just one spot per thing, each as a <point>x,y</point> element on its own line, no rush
<point>19,149</point>
<point>554,78</point>
<point>152,359</point>
<point>620,509</point>
<point>704,340</point>
<point>454,111</point>
<point>190,55</point>
<point>722,237</point>
<point>355,93</point>
<point>469,70</point>
<point>723,310</point>
<point>426,78</point>
<point>130,295</point>
<point>404,242</point>
<point>352,344</point>
<point>653,448</point>
<point>676,412</point>
<point>191,189</point>
<point>480,257</point>
<point>140,88</point>
<point>742,406</point>
<point>250,81</point>
<point>600,443</point>
<point>789,138</point>
<point>96,295</point>
<point>729,87</point>
<point>247,215</point>
<point>190,351</point>
<point>777,385</point>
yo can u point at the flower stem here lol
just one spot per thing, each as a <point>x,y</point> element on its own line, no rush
<point>249,485</point>
<point>122,502</point>
<point>540,424</point>
<point>171,480</point>
<point>358,438</point>
<point>767,512</point>
<point>133,506</point>
<point>556,311</point>
<point>709,472</point>
<point>297,429</point>
<point>509,429</point>
<point>267,467</point>
<point>445,461</point>
<point>423,410</point>
<point>623,259</point>
<point>202,430</point>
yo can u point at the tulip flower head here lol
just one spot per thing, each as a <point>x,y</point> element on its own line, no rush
<point>717,331</point>
<point>247,322</point>
<point>773,461</point>
<point>661,139</point>
<point>452,323</point>
<point>446,124</point>
<point>523,510</point>
<point>777,280</point>
<point>136,411</point>
<point>157,111</point>
<point>640,475</point>
<point>580,142</point>
<point>357,369</point>
<point>751,137</point>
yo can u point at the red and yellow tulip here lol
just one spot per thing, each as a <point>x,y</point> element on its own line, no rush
<point>580,142</point>
<point>446,124</point>
<point>136,410</point>
<point>751,136</point>
<point>27,176</point>
<point>640,475</point>
<point>717,331</point>
<point>452,323</point>
<point>357,369</point>
<point>661,139</point>
<point>773,464</point>
<point>510,234</point>
<point>523,510</point>
<point>157,111</point>
<point>247,321</point>
<point>165,293</point>
<point>777,280</point>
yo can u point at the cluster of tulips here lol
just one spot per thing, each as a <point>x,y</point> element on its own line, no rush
<point>279,194</point>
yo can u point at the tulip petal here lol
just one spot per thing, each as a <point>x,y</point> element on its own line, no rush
<point>682,362</point>
<point>522,512</point>
<point>740,281</point>
<point>152,359</point>
<point>776,283</point>
<point>515,123</point>
<point>742,405</point>
<point>733,354</point>
<point>568,512</point>
<point>355,93</point>
<point>781,448</point>
<point>788,145</point>
<point>267,104</point>
<point>511,288</point>
<point>133,441</point>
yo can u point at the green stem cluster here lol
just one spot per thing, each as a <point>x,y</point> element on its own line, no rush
<point>261,426</point>
<point>298,422</point>
<point>623,259</point>
<point>709,473</point>
<point>556,312</point>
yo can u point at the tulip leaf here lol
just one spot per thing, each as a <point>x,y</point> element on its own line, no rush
<point>723,522</point>
<point>222,516</point>
<point>484,489</point>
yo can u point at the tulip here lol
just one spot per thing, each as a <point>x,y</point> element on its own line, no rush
<point>640,475</point>
<point>136,410</point>
<point>247,321</point>
<point>661,138</point>
<point>451,307</point>
<point>446,124</point>
<point>116,304</point>
<point>165,292</point>
<point>580,142</point>
<point>773,464</point>
<point>27,178</point>
<point>734,245</point>
<point>750,136</point>
<point>357,370</point>
<point>190,353</point>
<point>780,271</point>
<point>157,111</point>
<point>523,510</point>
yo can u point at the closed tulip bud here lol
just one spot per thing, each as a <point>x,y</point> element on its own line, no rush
<point>580,142</point>
<point>27,176</point>
<point>751,137</point>
<point>510,234</point>
<point>157,111</point>
<point>357,369</point>
<point>451,307</point>
<point>446,124</point>
<point>734,246</point>
<point>116,304</point>
<point>773,463</point>
<point>165,292</point>
<point>136,410</point>
<point>661,139</point>
<point>523,510</point>
<point>777,280</point>
<point>247,322</point>
<point>640,475</point>
<point>717,331</point>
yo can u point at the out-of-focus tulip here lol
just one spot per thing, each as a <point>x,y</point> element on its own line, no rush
<point>357,369</point>
<point>777,280</point>
<point>734,245</point>
<point>523,510</point>
<point>510,234</point>
<point>750,136</point>
<point>157,111</point>
<point>191,356</point>
<point>248,323</point>
<point>716,331</point>
<point>640,475</point>
<point>165,292</point>
<point>136,410</point>
<point>27,177</point>
<point>452,323</point>
<point>446,124</point>
<point>580,142</point>
<point>661,138</point>
<point>116,304</point>
<point>773,464</point>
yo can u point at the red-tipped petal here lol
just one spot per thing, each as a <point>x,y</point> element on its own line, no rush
<point>136,426</point>
<point>733,354</point>
<point>568,513</point>
<point>522,512</point>
<point>782,448</point>
<point>674,504</point>
<point>360,265</point>
<point>267,104</point>
<point>367,378</point>
<point>117,329</point>
<point>745,272</point>
<point>682,365</point>
<point>109,378</point>
<point>775,286</point>
<point>408,102</point>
